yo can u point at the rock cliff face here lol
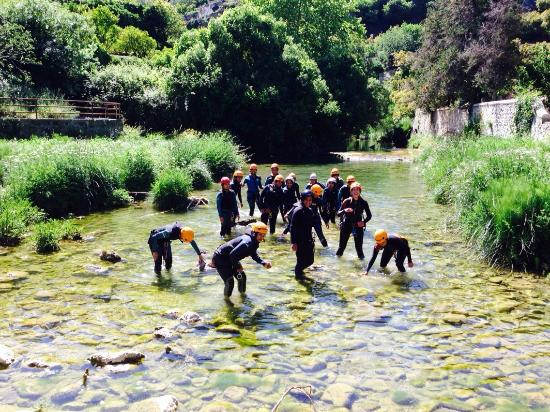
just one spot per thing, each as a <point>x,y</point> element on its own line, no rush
<point>494,118</point>
<point>210,9</point>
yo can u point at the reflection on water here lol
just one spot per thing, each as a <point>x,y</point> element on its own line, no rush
<point>451,334</point>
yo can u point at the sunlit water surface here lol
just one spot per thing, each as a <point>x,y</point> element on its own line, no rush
<point>452,334</point>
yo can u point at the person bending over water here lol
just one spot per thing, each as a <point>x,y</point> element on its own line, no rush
<point>160,244</point>
<point>227,257</point>
<point>393,245</point>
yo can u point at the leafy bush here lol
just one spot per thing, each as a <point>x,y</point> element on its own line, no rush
<point>534,69</point>
<point>68,230</point>
<point>407,37</point>
<point>15,216</point>
<point>138,171</point>
<point>134,42</point>
<point>499,193</point>
<point>46,236</point>
<point>171,190</point>
<point>200,174</point>
<point>63,43</point>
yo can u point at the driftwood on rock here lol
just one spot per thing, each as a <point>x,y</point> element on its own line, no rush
<point>102,359</point>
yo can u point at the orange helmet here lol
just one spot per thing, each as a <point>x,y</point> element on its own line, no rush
<point>334,171</point>
<point>253,166</point>
<point>355,185</point>
<point>350,179</point>
<point>317,190</point>
<point>238,173</point>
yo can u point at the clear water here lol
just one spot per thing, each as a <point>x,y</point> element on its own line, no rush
<point>452,334</point>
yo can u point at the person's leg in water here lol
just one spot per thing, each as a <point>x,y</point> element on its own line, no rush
<point>304,259</point>
<point>226,225</point>
<point>241,281</point>
<point>273,221</point>
<point>264,217</point>
<point>399,260</point>
<point>156,252</point>
<point>226,273</point>
<point>168,255</point>
<point>358,239</point>
<point>385,259</point>
<point>345,232</point>
<point>251,199</point>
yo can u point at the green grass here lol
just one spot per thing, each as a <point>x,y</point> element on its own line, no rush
<point>499,192</point>
<point>15,216</point>
<point>46,236</point>
<point>171,190</point>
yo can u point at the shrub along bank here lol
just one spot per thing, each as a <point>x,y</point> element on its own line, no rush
<point>54,178</point>
<point>500,194</point>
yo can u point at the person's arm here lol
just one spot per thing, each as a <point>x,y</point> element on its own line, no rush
<point>372,259</point>
<point>263,194</point>
<point>339,200</point>
<point>342,211</point>
<point>409,257</point>
<point>259,181</point>
<point>195,247</point>
<point>240,196</point>
<point>294,228</point>
<point>258,259</point>
<point>368,212</point>
<point>235,205</point>
<point>219,204</point>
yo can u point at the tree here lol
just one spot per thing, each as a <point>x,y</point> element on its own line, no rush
<point>247,76</point>
<point>162,21</point>
<point>134,42</point>
<point>493,55</point>
<point>379,15</point>
<point>534,69</point>
<point>407,37</point>
<point>105,22</point>
<point>16,53</point>
<point>64,43</point>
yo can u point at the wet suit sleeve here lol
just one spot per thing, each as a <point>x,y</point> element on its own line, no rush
<point>219,204</point>
<point>368,212</point>
<point>241,251</point>
<point>409,257</point>
<point>261,201</point>
<point>343,206</point>
<point>258,259</point>
<point>373,258</point>
<point>235,206</point>
<point>240,196</point>
<point>260,183</point>
<point>195,247</point>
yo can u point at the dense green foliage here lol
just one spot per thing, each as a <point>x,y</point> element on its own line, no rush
<point>15,216</point>
<point>379,15</point>
<point>171,190</point>
<point>499,192</point>
<point>407,37</point>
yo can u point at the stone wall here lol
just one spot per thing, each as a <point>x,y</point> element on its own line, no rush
<point>495,119</point>
<point>24,128</point>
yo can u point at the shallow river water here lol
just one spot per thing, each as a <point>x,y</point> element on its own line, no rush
<point>452,334</point>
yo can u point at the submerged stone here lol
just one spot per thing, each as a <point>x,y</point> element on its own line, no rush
<point>220,406</point>
<point>102,359</point>
<point>6,356</point>
<point>403,398</point>
<point>339,394</point>
<point>228,329</point>
<point>235,393</point>
<point>167,403</point>
<point>111,256</point>
<point>191,318</point>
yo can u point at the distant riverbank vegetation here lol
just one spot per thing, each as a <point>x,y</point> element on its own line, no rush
<point>499,192</point>
<point>312,75</point>
<point>60,177</point>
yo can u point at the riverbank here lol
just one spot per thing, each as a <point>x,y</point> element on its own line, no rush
<point>499,193</point>
<point>61,177</point>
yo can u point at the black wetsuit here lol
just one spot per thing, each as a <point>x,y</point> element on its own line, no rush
<point>397,246</point>
<point>330,197</point>
<point>343,194</point>
<point>226,202</point>
<point>269,179</point>
<point>349,224</point>
<point>289,198</point>
<point>300,234</point>
<point>309,185</point>
<point>236,187</point>
<point>289,215</point>
<point>254,185</point>
<point>160,242</point>
<point>227,259</point>
<point>339,183</point>
<point>318,207</point>
<point>271,200</point>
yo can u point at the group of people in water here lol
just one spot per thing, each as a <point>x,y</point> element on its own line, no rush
<point>301,211</point>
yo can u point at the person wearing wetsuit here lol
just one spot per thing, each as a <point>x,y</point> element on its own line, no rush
<point>226,202</point>
<point>236,185</point>
<point>330,198</point>
<point>296,185</point>
<point>271,202</point>
<point>318,209</point>
<point>253,184</point>
<point>313,181</point>
<point>301,237</point>
<point>160,244</point>
<point>227,257</point>
<point>353,211</point>
<point>344,191</point>
<point>274,172</point>
<point>335,174</point>
<point>289,195</point>
<point>393,245</point>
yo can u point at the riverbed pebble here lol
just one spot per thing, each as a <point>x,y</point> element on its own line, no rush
<point>6,356</point>
<point>163,333</point>
<point>111,256</point>
<point>191,318</point>
<point>403,398</point>
<point>167,403</point>
<point>102,359</point>
<point>339,394</point>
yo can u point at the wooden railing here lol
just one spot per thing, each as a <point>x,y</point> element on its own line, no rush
<point>39,108</point>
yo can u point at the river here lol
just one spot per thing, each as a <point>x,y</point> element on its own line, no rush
<point>452,334</point>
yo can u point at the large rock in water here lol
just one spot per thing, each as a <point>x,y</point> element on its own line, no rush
<point>6,356</point>
<point>165,403</point>
<point>102,359</point>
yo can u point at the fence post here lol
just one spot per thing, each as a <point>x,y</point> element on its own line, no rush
<point>36,108</point>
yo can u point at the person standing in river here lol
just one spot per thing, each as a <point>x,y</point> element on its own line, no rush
<point>253,183</point>
<point>160,244</point>
<point>289,195</point>
<point>318,209</point>
<point>355,213</point>
<point>271,202</point>
<point>313,181</point>
<point>392,245</point>
<point>302,223</point>
<point>227,257</point>
<point>226,203</point>
<point>274,172</point>
<point>344,191</point>
<point>237,184</point>
<point>330,198</point>
<point>335,174</point>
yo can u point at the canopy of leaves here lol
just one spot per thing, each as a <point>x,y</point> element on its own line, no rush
<point>379,15</point>
<point>407,37</point>
<point>132,41</point>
